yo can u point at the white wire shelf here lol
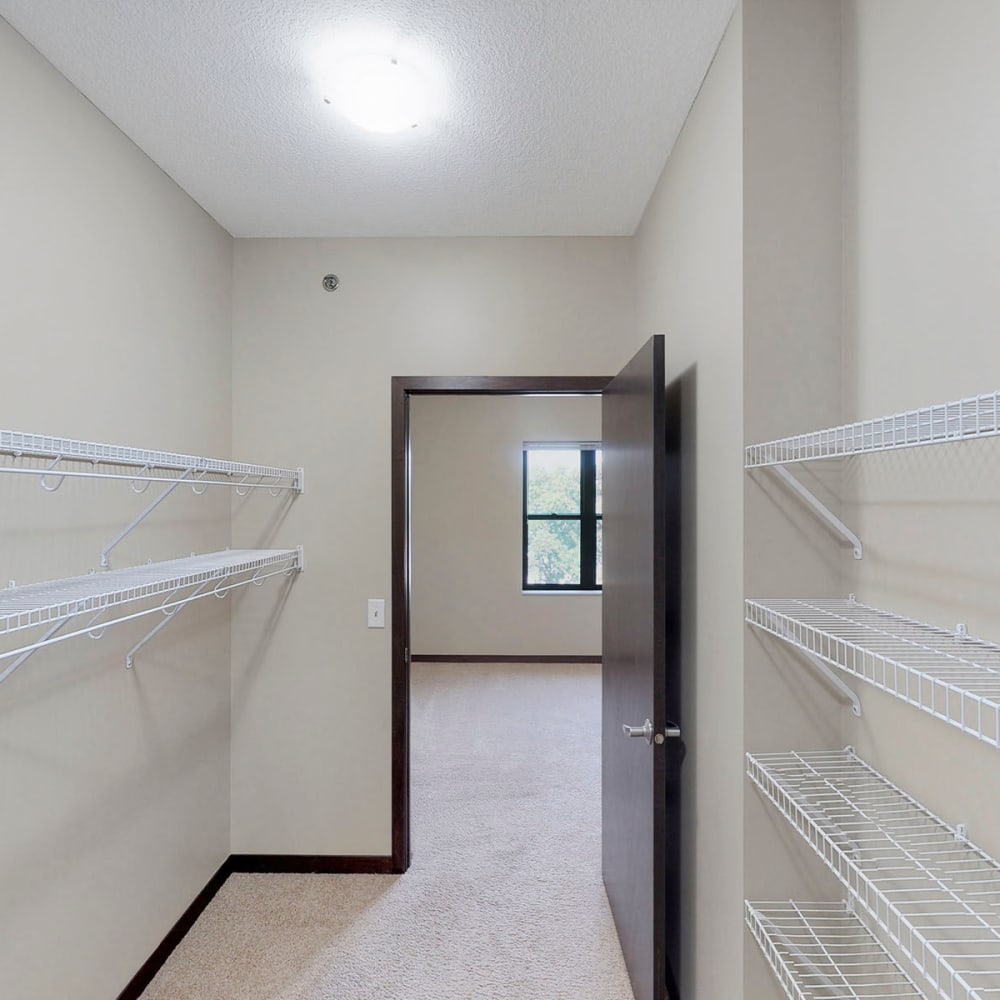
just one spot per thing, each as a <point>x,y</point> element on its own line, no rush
<point>821,951</point>
<point>150,463</point>
<point>180,581</point>
<point>949,675</point>
<point>934,894</point>
<point>961,420</point>
<point>40,603</point>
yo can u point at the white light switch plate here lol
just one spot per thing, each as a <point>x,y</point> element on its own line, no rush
<point>376,612</point>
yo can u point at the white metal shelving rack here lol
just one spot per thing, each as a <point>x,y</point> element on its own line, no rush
<point>153,466</point>
<point>180,581</point>
<point>961,420</point>
<point>41,603</point>
<point>58,603</point>
<point>950,675</point>
<point>934,894</point>
<point>822,951</point>
<point>931,892</point>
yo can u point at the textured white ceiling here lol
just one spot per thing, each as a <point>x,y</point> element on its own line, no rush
<point>560,113</point>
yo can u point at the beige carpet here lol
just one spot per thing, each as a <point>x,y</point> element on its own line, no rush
<point>504,899</point>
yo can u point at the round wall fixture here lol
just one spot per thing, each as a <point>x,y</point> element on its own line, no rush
<point>331,282</point>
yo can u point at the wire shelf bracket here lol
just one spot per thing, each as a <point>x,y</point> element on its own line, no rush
<point>823,950</point>
<point>959,420</point>
<point>46,639</point>
<point>56,602</point>
<point>950,675</point>
<point>934,894</point>
<point>139,518</point>
<point>846,692</point>
<point>819,508</point>
<point>168,615</point>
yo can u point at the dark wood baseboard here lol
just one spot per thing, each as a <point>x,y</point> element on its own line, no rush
<point>314,864</point>
<point>173,937</point>
<point>332,864</point>
<point>497,658</point>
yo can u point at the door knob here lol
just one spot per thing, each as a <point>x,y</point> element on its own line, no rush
<point>645,731</point>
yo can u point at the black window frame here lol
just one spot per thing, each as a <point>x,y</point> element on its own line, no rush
<point>588,518</point>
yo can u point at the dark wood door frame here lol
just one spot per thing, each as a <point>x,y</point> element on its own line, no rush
<point>403,387</point>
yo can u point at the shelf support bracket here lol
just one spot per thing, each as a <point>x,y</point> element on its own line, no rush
<point>825,669</point>
<point>168,616</point>
<point>49,633</point>
<point>819,508</point>
<point>836,681</point>
<point>139,518</point>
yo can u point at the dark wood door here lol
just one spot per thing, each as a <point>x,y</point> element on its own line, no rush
<point>640,777</point>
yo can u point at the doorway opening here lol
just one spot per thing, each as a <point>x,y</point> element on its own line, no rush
<point>403,389</point>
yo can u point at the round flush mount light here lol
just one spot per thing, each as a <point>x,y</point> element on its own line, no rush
<point>378,91</point>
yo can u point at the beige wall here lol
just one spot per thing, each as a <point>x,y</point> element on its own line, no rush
<point>466,528</point>
<point>689,266</point>
<point>923,255</point>
<point>311,707</point>
<point>792,380</point>
<point>115,326</point>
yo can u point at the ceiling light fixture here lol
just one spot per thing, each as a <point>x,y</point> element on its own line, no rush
<point>379,92</point>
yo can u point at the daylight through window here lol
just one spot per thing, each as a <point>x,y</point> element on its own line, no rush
<point>562,517</point>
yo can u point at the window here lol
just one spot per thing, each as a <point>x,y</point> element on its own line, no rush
<point>562,517</point>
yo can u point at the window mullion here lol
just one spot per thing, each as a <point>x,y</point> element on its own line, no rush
<point>588,520</point>
<point>524,508</point>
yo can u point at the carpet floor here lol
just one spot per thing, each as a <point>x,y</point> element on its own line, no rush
<point>504,899</point>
